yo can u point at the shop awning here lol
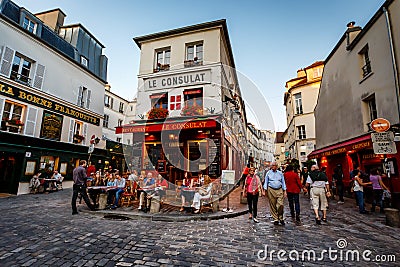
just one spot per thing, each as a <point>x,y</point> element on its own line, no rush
<point>170,124</point>
<point>361,142</point>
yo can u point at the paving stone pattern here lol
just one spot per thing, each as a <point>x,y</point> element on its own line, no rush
<point>39,230</point>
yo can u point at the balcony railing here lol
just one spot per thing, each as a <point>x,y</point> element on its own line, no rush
<point>20,78</point>
<point>366,69</point>
<point>192,63</point>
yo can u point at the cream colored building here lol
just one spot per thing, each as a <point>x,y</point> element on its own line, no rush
<point>360,84</point>
<point>279,153</point>
<point>300,100</point>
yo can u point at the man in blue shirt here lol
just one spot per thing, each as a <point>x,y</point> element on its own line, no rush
<point>148,186</point>
<point>275,187</point>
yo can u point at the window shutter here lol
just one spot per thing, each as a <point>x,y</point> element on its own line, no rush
<point>84,133</point>
<point>39,76</point>
<point>6,61</point>
<point>111,102</point>
<point>79,102</point>
<point>30,123</point>
<point>71,130</point>
<point>1,107</point>
<point>89,95</point>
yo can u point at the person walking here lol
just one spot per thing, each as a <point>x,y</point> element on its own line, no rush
<point>252,189</point>
<point>293,185</point>
<point>319,191</point>
<point>79,177</point>
<point>338,178</point>
<point>359,190</point>
<point>304,175</point>
<point>276,191</point>
<point>377,188</point>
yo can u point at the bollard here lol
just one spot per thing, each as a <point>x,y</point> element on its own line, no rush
<point>215,203</point>
<point>102,201</point>
<point>392,217</point>
<point>155,204</point>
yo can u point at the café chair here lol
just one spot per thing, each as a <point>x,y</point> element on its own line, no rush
<point>59,183</point>
<point>128,196</point>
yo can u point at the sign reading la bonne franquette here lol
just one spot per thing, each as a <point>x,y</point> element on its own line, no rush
<point>177,80</point>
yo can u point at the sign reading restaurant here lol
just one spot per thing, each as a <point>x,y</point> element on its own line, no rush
<point>177,80</point>
<point>39,101</point>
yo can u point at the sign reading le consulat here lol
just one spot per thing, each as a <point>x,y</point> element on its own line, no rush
<point>177,80</point>
<point>30,98</point>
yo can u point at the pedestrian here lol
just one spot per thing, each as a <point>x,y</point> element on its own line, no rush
<point>377,190</point>
<point>244,174</point>
<point>79,177</point>
<point>303,178</point>
<point>293,185</point>
<point>276,191</point>
<point>252,189</point>
<point>338,179</point>
<point>90,169</point>
<point>359,191</point>
<point>319,191</point>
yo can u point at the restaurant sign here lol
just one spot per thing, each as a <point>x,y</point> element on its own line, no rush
<point>39,101</point>
<point>177,80</point>
<point>344,149</point>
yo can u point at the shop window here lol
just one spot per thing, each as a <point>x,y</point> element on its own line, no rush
<point>11,119</point>
<point>21,69</point>
<point>301,130</point>
<point>366,63</point>
<point>193,98</point>
<point>162,59</point>
<point>175,102</point>
<point>299,104</point>
<point>159,101</point>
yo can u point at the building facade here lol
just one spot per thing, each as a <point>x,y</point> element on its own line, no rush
<point>190,115</point>
<point>300,100</point>
<point>360,84</point>
<point>51,100</point>
<point>279,153</point>
<point>260,144</point>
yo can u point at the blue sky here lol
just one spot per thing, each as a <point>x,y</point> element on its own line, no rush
<point>271,40</point>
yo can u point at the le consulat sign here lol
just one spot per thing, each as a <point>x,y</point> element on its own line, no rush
<point>39,101</point>
<point>177,80</point>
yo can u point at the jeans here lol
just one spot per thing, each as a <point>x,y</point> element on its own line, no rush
<point>340,190</point>
<point>377,200</point>
<point>294,199</point>
<point>252,201</point>
<point>76,190</point>
<point>117,195</point>
<point>360,200</point>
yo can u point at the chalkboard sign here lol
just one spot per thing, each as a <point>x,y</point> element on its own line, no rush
<point>214,158</point>
<point>162,166</point>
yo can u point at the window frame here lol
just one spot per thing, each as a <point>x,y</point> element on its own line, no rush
<point>195,51</point>
<point>157,101</point>
<point>121,107</point>
<point>106,120</point>
<point>190,93</point>
<point>17,75</point>
<point>298,103</point>
<point>163,65</point>
<point>84,61</point>
<point>366,68</point>
<point>301,132</point>
<point>28,25</point>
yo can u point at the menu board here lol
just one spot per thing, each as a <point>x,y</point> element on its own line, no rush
<point>214,157</point>
<point>162,166</point>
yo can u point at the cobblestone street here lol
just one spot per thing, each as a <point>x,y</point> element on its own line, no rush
<point>39,230</point>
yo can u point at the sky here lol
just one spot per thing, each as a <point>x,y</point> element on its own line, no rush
<point>270,40</point>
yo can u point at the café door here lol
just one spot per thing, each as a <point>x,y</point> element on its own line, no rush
<point>10,163</point>
<point>197,156</point>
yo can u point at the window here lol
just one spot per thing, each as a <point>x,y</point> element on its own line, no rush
<point>175,102</point>
<point>84,96</point>
<point>194,55</point>
<point>162,60</point>
<point>366,68</point>
<point>84,61</point>
<point>121,107</point>
<point>105,120</point>
<point>372,112</point>
<point>120,122</point>
<point>193,98</point>
<point>29,25</point>
<point>159,101</point>
<point>12,117</point>
<point>301,131</point>
<point>119,139</point>
<point>298,102</point>
<point>107,100</point>
<point>21,69</point>
<point>317,73</point>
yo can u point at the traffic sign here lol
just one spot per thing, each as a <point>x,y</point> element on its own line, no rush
<point>382,137</point>
<point>384,147</point>
<point>380,125</point>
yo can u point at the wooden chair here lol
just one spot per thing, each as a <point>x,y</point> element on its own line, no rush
<point>207,204</point>
<point>129,193</point>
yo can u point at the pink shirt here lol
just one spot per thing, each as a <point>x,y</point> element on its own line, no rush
<point>375,181</point>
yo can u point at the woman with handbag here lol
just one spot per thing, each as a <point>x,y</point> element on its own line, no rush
<point>252,189</point>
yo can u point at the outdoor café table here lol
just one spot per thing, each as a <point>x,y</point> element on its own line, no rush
<point>48,182</point>
<point>188,193</point>
<point>94,191</point>
<point>146,190</point>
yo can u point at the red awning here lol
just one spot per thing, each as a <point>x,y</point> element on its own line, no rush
<point>358,143</point>
<point>171,124</point>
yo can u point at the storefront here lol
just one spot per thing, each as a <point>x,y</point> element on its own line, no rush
<point>359,151</point>
<point>177,145</point>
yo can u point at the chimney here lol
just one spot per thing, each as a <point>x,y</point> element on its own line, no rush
<point>52,18</point>
<point>351,33</point>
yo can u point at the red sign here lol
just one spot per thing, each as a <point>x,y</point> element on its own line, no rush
<point>380,125</point>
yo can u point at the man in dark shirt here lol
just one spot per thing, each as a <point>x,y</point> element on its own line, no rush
<point>79,177</point>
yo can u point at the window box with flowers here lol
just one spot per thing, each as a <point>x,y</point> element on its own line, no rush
<point>161,67</point>
<point>192,63</point>
<point>157,113</point>
<point>192,111</point>
<point>11,125</point>
<point>78,138</point>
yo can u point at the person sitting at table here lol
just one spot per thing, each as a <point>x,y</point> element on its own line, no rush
<point>57,177</point>
<point>148,185</point>
<point>201,193</point>
<point>110,192</point>
<point>160,187</point>
<point>34,183</point>
<point>186,192</point>
<point>120,184</point>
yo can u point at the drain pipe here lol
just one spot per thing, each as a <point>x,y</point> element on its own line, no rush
<point>392,53</point>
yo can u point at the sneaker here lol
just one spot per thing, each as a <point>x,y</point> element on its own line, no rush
<point>340,202</point>
<point>256,220</point>
<point>140,207</point>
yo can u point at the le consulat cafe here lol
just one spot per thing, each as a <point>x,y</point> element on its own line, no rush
<point>30,134</point>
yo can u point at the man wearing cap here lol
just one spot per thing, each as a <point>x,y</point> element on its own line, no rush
<point>275,186</point>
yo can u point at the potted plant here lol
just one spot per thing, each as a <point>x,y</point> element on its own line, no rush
<point>78,138</point>
<point>157,113</point>
<point>192,111</point>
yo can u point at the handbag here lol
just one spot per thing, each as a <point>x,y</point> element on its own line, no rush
<point>243,197</point>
